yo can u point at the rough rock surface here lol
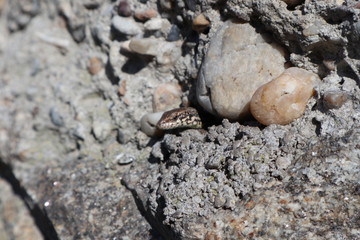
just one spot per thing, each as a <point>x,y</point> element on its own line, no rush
<point>70,139</point>
<point>244,182</point>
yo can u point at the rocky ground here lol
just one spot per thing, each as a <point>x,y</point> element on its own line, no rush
<point>77,76</point>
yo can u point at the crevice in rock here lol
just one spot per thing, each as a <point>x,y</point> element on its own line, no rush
<point>346,68</point>
<point>318,126</point>
<point>160,231</point>
<point>110,74</point>
<point>134,64</point>
<point>40,217</point>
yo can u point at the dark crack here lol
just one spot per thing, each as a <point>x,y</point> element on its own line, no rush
<point>39,215</point>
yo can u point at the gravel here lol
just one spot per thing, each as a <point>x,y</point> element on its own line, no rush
<point>75,163</point>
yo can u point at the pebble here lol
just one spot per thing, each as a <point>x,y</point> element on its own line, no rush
<point>145,15</point>
<point>56,118</point>
<point>156,24</point>
<point>122,88</point>
<point>116,154</point>
<point>167,96</point>
<point>61,43</point>
<point>123,158</point>
<point>174,34</point>
<point>335,99</point>
<point>30,7</point>
<point>283,99</point>
<point>165,4</point>
<point>75,19</point>
<point>94,65</point>
<point>77,31</point>
<point>145,46</point>
<point>80,132</point>
<point>200,23</point>
<point>92,4</point>
<point>126,26</point>
<point>122,137</point>
<point>165,52</point>
<point>2,5</point>
<point>124,8</point>
<point>101,129</point>
<point>238,62</point>
<point>20,13</point>
<point>168,53</point>
<point>148,124</point>
<point>125,46</point>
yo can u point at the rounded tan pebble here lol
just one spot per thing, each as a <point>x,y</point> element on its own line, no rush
<point>283,99</point>
<point>122,88</point>
<point>2,4</point>
<point>145,15</point>
<point>94,66</point>
<point>335,99</point>
<point>200,23</point>
<point>147,46</point>
<point>167,96</point>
